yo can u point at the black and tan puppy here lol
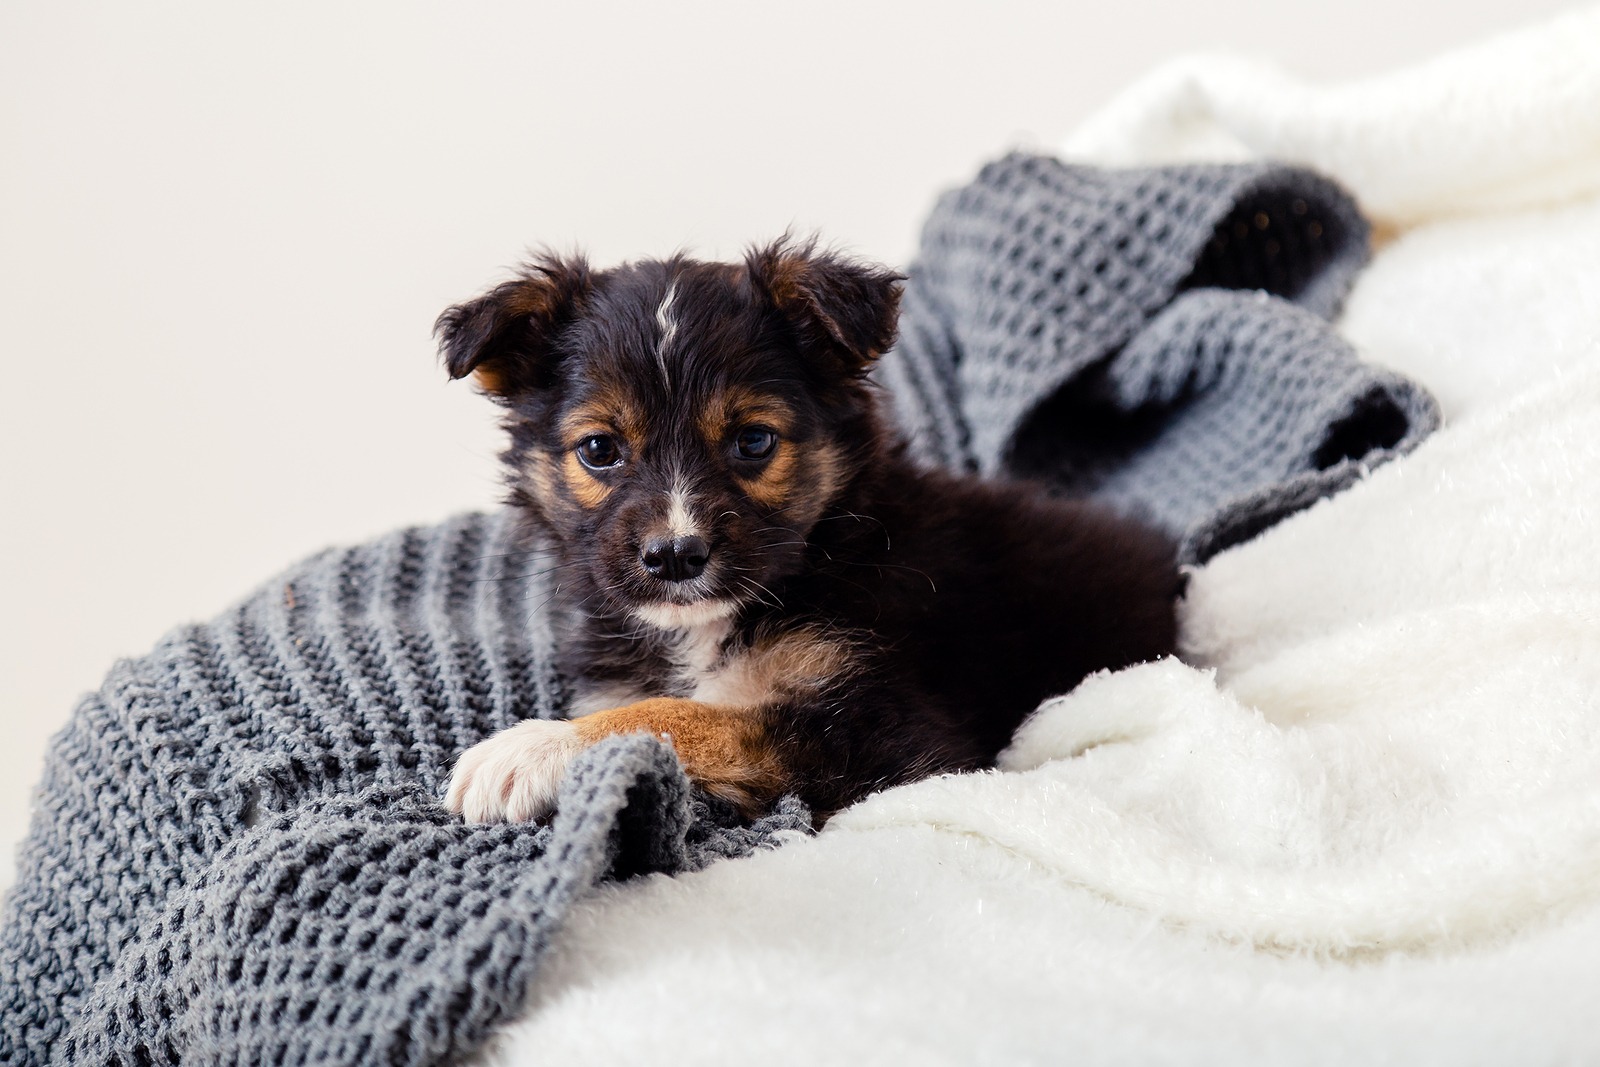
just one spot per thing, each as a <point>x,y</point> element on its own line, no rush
<point>748,564</point>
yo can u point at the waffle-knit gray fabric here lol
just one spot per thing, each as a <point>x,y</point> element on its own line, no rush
<point>1152,337</point>
<point>238,855</point>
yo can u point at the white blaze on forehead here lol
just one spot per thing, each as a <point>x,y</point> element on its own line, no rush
<point>668,323</point>
<point>680,517</point>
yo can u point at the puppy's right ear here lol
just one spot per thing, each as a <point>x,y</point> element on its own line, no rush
<point>506,338</point>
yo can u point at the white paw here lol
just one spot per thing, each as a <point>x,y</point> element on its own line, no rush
<point>513,776</point>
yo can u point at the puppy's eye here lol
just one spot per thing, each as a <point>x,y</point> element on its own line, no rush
<point>755,442</point>
<point>598,451</point>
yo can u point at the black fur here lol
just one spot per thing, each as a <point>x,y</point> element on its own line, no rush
<point>961,604</point>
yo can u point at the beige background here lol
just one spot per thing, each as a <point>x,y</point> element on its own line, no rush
<point>225,233</point>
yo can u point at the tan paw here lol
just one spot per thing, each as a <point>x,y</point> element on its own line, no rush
<point>515,775</point>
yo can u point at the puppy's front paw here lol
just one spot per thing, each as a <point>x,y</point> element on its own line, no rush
<point>513,776</point>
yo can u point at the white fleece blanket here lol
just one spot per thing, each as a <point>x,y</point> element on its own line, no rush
<point>1367,827</point>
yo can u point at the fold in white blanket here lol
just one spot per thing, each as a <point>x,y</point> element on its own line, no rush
<point>1401,744</point>
<point>1367,827</point>
<point>1510,123</point>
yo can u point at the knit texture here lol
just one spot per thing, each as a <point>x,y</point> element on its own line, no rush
<point>238,855</point>
<point>1155,338</point>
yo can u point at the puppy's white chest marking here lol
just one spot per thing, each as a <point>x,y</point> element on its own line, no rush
<point>703,668</point>
<point>697,651</point>
<point>692,652</point>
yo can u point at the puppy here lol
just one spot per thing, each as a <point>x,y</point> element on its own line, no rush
<point>748,564</point>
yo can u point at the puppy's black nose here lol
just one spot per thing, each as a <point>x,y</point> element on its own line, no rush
<point>676,560</point>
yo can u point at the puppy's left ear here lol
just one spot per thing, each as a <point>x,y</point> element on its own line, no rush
<point>835,303</point>
<point>508,338</point>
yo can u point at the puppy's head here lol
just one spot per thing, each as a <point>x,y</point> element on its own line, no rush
<point>678,427</point>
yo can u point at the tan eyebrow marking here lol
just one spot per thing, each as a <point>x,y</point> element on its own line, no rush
<point>611,410</point>
<point>740,406</point>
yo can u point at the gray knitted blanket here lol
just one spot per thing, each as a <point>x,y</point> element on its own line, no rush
<point>1155,338</point>
<point>237,854</point>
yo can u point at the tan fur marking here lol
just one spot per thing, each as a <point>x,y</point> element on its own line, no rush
<point>806,493</point>
<point>777,668</point>
<point>541,477</point>
<point>722,747</point>
<point>738,407</point>
<point>610,410</point>
<point>488,379</point>
<point>590,492</point>
<point>776,482</point>
<point>712,422</point>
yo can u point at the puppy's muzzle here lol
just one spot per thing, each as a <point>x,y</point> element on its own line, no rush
<point>677,559</point>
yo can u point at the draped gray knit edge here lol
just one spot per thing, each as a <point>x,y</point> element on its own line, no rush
<point>1154,338</point>
<point>238,855</point>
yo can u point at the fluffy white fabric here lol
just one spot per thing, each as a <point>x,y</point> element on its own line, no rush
<point>1367,826</point>
<point>1510,123</point>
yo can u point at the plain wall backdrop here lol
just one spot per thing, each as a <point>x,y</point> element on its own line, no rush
<point>225,232</point>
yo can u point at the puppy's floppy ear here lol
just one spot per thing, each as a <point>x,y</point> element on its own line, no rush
<point>832,301</point>
<point>506,337</point>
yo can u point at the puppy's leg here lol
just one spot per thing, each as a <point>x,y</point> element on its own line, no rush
<point>515,775</point>
<point>724,748</point>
